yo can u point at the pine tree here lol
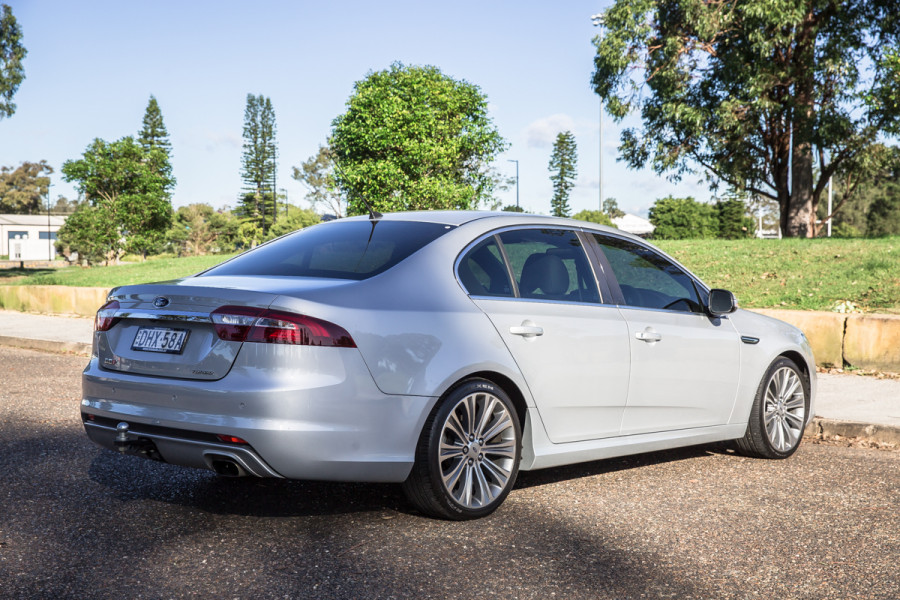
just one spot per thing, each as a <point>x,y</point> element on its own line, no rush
<point>12,52</point>
<point>154,139</point>
<point>563,166</point>
<point>257,203</point>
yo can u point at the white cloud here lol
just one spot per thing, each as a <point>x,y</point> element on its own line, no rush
<point>542,133</point>
<point>216,140</point>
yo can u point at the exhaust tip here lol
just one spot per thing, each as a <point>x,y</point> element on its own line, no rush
<point>227,467</point>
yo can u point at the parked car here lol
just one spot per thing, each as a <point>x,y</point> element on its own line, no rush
<point>441,350</point>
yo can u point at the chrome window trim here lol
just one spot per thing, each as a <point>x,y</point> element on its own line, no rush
<point>168,315</point>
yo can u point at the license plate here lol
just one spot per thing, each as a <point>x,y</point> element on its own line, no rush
<point>160,339</point>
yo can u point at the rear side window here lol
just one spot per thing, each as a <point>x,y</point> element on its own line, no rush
<point>483,272</point>
<point>342,250</point>
<point>550,264</point>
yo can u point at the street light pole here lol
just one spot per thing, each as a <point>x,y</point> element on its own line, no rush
<point>517,179</point>
<point>597,21</point>
<point>49,235</point>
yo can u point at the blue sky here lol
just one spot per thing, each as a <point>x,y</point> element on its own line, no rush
<point>91,67</point>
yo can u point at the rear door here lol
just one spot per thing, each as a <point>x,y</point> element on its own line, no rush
<point>571,348</point>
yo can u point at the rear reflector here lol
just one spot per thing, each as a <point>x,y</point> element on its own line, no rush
<point>230,439</point>
<point>105,318</point>
<point>246,324</point>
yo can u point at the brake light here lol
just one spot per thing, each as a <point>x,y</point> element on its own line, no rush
<point>106,318</point>
<point>245,324</point>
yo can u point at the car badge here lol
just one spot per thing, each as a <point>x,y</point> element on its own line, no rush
<point>160,302</point>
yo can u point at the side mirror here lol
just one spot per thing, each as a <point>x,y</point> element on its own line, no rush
<point>721,302</point>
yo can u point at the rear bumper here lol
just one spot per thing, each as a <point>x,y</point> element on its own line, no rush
<point>306,413</point>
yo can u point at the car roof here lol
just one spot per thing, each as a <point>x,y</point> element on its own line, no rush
<point>495,218</point>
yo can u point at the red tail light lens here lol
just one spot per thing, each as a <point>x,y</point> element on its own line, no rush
<point>105,318</point>
<point>230,439</point>
<point>244,324</point>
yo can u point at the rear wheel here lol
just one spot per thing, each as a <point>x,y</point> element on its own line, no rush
<point>468,454</point>
<point>779,412</point>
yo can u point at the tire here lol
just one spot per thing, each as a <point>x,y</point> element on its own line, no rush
<point>467,457</point>
<point>779,413</point>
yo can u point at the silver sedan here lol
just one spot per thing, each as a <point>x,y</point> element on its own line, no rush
<point>442,350</point>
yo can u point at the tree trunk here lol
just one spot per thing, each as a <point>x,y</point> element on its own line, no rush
<point>800,217</point>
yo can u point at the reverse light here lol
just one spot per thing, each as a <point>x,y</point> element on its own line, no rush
<point>246,324</point>
<point>106,318</point>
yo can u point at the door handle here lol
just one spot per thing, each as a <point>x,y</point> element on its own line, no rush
<point>648,335</point>
<point>527,329</point>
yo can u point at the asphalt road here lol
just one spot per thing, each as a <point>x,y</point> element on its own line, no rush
<point>78,521</point>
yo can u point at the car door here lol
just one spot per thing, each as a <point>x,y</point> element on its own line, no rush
<point>685,365</point>
<point>538,289</point>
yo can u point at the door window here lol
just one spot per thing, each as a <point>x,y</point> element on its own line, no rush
<point>483,272</point>
<point>647,279</point>
<point>550,264</point>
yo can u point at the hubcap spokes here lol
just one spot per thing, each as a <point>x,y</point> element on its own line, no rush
<point>785,412</point>
<point>478,446</point>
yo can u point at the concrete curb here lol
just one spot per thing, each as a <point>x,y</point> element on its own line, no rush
<point>822,428</point>
<point>77,348</point>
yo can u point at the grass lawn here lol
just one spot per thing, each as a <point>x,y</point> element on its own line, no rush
<point>797,274</point>
<point>156,269</point>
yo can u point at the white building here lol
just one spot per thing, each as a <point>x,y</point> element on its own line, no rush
<point>29,237</point>
<point>634,225</point>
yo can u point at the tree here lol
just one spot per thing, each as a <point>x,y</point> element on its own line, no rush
<point>153,135</point>
<point>23,189</point>
<point>257,203</point>
<point>413,138</point>
<point>91,232</point>
<point>128,194</point>
<point>564,169</point>
<point>770,97</point>
<point>199,229</point>
<point>317,174</point>
<point>611,208</point>
<point>683,218</point>
<point>593,216</point>
<point>12,52</point>
<point>733,221</point>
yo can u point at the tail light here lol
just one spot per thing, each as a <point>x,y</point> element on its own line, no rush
<point>106,318</point>
<point>246,324</point>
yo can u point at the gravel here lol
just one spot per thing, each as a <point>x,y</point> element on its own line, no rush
<point>79,521</point>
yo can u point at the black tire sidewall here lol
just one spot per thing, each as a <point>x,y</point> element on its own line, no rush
<point>448,403</point>
<point>759,406</point>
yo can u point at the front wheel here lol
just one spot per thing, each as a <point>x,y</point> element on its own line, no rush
<point>468,454</point>
<point>779,412</point>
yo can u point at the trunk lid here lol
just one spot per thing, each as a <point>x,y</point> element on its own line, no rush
<point>166,330</point>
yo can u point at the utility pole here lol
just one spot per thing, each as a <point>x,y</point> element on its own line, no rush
<point>517,180</point>
<point>49,235</point>
<point>597,21</point>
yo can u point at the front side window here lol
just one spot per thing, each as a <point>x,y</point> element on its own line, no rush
<point>341,250</point>
<point>550,264</point>
<point>647,279</point>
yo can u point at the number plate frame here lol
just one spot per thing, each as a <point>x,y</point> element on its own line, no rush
<point>156,346</point>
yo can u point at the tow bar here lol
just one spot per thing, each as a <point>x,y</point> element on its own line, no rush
<point>129,443</point>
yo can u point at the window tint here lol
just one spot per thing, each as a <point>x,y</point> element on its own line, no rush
<point>550,264</point>
<point>483,272</point>
<point>647,279</point>
<point>342,250</point>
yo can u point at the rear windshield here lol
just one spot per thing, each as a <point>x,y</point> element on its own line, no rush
<point>342,250</point>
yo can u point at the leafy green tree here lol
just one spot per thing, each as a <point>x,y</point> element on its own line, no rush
<point>564,169</point>
<point>12,52</point>
<point>91,232</point>
<point>296,218</point>
<point>513,208</point>
<point>413,138</point>
<point>611,208</point>
<point>131,196</point>
<point>733,221</point>
<point>683,218</point>
<point>23,189</point>
<point>593,216</point>
<point>884,214</point>
<point>199,229</point>
<point>317,174</point>
<point>770,97</point>
<point>257,202</point>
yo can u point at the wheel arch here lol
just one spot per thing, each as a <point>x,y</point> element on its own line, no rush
<point>505,383</point>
